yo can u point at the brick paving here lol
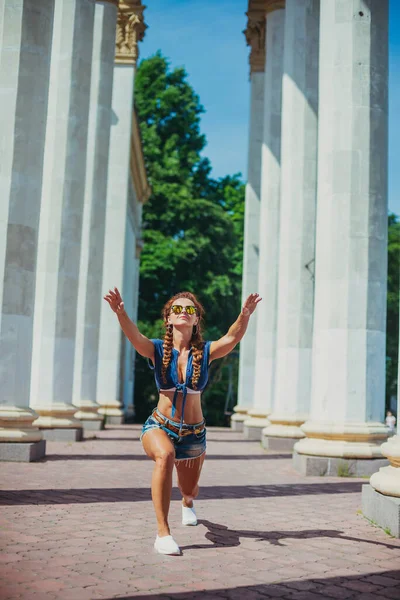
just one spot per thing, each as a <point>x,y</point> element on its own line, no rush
<point>79,525</point>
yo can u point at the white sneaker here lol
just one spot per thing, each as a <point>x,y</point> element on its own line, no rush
<point>188,516</point>
<point>166,545</point>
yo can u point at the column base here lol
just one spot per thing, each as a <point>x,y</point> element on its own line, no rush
<point>97,425</point>
<point>336,466</point>
<point>278,444</point>
<point>114,420</point>
<point>22,452</point>
<point>70,434</point>
<point>382,510</point>
<point>253,426</point>
<point>16,425</point>
<point>236,424</point>
<point>281,437</point>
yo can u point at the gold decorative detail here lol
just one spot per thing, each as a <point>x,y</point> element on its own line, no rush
<point>256,30</point>
<point>130,31</point>
<point>255,38</point>
<point>271,5</point>
<point>265,6</point>
<point>138,168</point>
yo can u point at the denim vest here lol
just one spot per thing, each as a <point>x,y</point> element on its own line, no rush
<point>172,380</point>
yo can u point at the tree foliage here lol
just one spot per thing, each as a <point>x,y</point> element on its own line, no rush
<point>392,329</point>
<point>192,224</point>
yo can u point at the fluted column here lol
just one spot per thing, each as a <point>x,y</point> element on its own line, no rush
<point>25,48</point>
<point>130,30</point>
<point>269,224</point>
<point>61,220</point>
<point>93,231</point>
<point>255,36</point>
<point>297,226</point>
<point>348,373</point>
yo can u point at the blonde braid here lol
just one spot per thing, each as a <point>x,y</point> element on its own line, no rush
<point>198,346</point>
<point>167,346</point>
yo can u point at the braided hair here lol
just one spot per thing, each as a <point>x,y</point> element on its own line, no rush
<point>196,340</point>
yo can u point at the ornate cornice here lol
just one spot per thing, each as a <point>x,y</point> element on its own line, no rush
<point>256,30</point>
<point>130,31</point>
<point>138,169</point>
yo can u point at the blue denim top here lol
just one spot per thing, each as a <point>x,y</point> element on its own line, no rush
<point>172,379</point>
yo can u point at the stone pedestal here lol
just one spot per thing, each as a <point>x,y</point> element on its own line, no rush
<point>382,510</point>
<point>335,467</point>
<point>90,293</point>
<point>25,47</point>
<point>297,225</point>
<point>269,224</point>
<point>381,498</point>
<point>238,418</point>
<point>61,217</point>
<point>348,374</point>
<point>283,432</point>
<point>255,422</point>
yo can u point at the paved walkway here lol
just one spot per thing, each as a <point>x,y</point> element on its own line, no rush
<point>79,525</point>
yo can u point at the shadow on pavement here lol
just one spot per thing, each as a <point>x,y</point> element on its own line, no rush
<point>346,586</point>
<point>217,492</point>
<point>221,536</point>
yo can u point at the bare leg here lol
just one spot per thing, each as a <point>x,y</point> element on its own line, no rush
<point>159,448</point>
<point>188,478</point>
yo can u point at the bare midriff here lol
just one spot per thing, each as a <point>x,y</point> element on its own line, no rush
<point>193,412</point>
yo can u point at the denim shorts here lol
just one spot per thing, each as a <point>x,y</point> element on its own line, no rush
<point>186,447</point>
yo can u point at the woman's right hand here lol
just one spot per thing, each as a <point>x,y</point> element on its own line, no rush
<point>115,301</point>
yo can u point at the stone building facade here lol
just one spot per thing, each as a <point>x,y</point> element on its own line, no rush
<point>72,183</point>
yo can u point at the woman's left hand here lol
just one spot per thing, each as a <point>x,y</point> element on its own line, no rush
<point>250,304</point>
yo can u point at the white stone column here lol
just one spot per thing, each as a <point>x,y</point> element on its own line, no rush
<point>348,373</point>
<point>130,30</point>
<point>381,498</point>
<point>61,220</point>
<point>93,230</point>
<point>255,36</point>
<point>25,48</point>
<point>297,226</point>
<point>269,226</point>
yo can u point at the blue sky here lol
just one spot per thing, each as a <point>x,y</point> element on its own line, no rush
<point>206,38</point>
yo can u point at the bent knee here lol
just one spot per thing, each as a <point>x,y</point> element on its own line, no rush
<point>165,458</point>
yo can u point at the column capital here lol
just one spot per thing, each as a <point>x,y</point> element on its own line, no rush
<point>255,38</point>
<point>130,31</point>
<point>256,28</point>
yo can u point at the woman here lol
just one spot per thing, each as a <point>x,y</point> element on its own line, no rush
<point>175,432</point>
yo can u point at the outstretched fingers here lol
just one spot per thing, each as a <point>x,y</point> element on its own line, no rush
<point>251,302</point>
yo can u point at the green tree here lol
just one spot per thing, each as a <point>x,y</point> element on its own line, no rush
<point>192,224</point>
<point>392,327</point>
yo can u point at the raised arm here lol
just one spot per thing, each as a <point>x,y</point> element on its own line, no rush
<point>226,344</point>
<point>140,342</point>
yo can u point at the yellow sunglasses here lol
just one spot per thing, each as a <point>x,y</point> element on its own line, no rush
<point>177,309</point>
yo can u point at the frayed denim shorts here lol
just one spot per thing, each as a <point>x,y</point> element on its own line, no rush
<point>186,447</point>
